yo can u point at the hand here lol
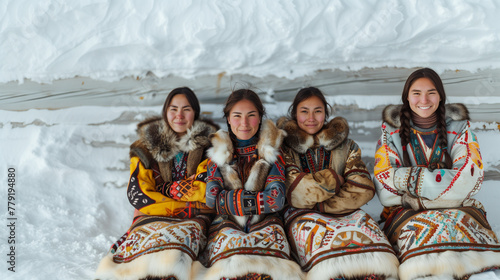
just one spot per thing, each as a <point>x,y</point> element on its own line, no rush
<point>182,188</point>
<point>341,179</point>
<point>409,201</point>
<point>436,165</point>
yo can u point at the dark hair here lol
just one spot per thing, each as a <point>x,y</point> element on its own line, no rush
<point>405,114</point>
<point>304,94</point>
<point>190,96</point>
<point>235,97</point>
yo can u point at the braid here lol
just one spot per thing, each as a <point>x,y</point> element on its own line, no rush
<point>404,132</point>
<point>443,135</point>
<point>405,115</point>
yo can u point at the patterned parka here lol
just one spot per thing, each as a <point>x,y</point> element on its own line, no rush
<point>327,184</point>
<point>246,187</point>
<point>170,230</point>
<point>325,172</point>
<point>427,188</point>
<point>156,186</point>
<point>431,218</point>
<point>255,189</point>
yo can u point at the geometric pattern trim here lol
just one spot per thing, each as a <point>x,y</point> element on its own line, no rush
<point>417,233</point>
<point>150,234</point>
<point>266,238</point>
<point>316,236</point>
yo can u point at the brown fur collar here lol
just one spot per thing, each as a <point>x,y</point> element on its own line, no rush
<point>268,145</point>
<point>157,141</point>
<point>331,135</point>
<point>454,111</point>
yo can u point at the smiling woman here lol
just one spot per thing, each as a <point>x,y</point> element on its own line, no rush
<point>180,114</point>
<point>167,189</point>
<point>424,98</point>
<point>244,120</point>
<point>246,188</point>
<point>427,169</point>
<point>310,109</point>
<point>327,184</point>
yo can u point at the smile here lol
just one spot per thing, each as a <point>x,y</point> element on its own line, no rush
<point>425,108</point>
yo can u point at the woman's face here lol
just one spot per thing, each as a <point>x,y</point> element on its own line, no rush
<point>244,119</point>
<point>311,115</point>
<point>180,115</point>
<point>423,97</point>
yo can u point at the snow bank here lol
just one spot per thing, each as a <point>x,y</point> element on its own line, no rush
<point>109,40</point>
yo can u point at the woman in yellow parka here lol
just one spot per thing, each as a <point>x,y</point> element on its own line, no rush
<point>167,186</point>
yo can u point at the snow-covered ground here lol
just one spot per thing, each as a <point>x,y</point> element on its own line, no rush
<point>95,68</point>
<point>71,170</point>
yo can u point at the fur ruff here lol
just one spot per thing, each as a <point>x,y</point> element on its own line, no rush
<point>268,145</point>
<point>159,143</point>
<point>356,265</point>
<point>159,264</point>
<point>332,134</point>
<point>222,148</point>
<point>162,142</point>
<point>239,265</point>
<point>447,264</point>
<point>221,153</point>
<point>270,141</point>
<point>454,111</point>
<point>268,148</point>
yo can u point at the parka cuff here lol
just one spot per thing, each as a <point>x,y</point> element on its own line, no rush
<point>338,182</point>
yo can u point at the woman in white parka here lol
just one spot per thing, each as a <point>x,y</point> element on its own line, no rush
<point>427,168</point>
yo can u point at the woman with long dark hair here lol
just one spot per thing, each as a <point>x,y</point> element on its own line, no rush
<point>327,183</point>
<point>246,187</point>
<point>168,169</point>
<point>427,168</point>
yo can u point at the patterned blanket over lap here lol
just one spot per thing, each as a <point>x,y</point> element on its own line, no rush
<point>150,234</point>
<point>266,238</point>
<point>319,236</point>
<point>431,231</point>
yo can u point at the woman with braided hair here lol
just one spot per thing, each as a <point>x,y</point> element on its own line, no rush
<point>427,168</point>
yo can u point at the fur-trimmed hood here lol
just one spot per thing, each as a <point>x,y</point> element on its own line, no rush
<point>159,142</point>
<point>454,111</point>
<point>270,140</point>
<point>332,134</point>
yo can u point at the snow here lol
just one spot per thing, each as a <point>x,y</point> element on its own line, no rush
<point>108,40</point>
<point>71,163</point>
<point>71,170</point>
